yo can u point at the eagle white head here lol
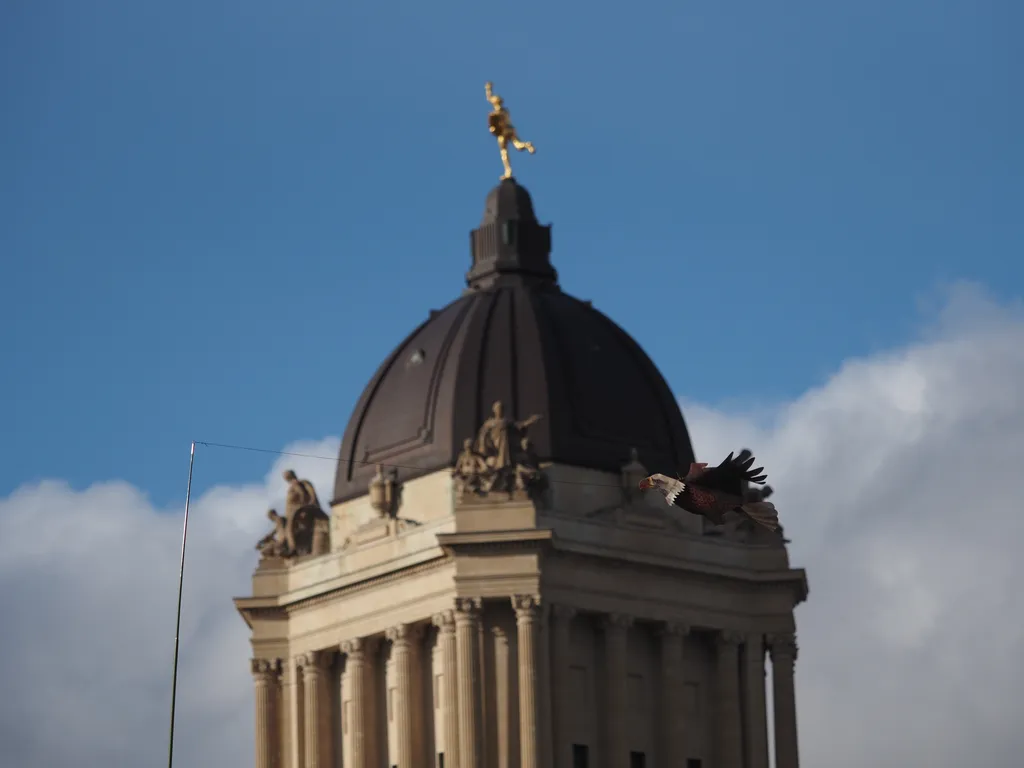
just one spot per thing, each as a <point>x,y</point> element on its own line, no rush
<point>668,486</point>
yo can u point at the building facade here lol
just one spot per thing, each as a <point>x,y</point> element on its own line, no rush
<point>489,588</point>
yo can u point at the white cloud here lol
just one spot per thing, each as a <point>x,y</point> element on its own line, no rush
<point>88,586</point>
<point>896,480</point>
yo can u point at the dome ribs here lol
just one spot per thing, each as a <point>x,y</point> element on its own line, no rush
<point>515,337</point>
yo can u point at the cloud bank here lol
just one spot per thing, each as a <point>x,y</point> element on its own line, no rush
<point>897,483</point>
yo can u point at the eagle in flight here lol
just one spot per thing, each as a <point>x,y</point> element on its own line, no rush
<point>713,492</point>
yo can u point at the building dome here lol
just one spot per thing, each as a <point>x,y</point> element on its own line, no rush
<point>514,337</point>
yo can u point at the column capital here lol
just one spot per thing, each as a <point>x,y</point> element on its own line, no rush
<point>313,660</point>
<point>674,629</point>
<point>618,621</point>
<point>404,634</point>
<point>782,646</point>
<point>353,647</point>
<point>265,668</point>
<point>467,607</point>
<point>563,612</point>
<point>444,620</point>
<point>728,638</point>
<point>358,647</point>
<point>526,606</point>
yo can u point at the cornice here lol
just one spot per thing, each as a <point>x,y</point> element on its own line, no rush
<point>793,578</point>
<point>264,608</point>
<point>281,608</point>
<point>477,541</point>
<point>454,544</point>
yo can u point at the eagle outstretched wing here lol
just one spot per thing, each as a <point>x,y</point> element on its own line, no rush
<point>731,475</point>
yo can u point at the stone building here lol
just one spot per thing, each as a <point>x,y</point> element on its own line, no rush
<point>490,589</point>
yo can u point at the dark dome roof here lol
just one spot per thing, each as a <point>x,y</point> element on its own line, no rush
<point>514,336</point>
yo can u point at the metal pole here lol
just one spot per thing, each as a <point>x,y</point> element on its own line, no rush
<point>177,625</point>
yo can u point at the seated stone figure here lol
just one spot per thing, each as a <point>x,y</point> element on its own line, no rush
<point>276,543</point>
<point>471,473</point>
<point>303,530</point>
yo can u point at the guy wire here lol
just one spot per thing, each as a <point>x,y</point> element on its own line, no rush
<point>365,463</point>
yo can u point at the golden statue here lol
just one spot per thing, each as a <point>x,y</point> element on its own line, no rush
<point>499,122</point>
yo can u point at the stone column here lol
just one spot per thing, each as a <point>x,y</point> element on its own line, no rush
<point>561,700</point>
<point>783,649</point>
<point>544,687</point>
<point>756,724</point>
<point>291,702</point>
<point>616,635</point>
<point>356,670</point>
<point>314,686</point>
<point>483,697</point>
<point>467,617</point>
<point>403,639</point>
<point>375,703</point>
<point>527,616</point>
<point>506,753</point>
<point>445,622</point>
<point>343,756</point>
<point>673,687</point>
<point>728,725</point>
<point>266,674</point>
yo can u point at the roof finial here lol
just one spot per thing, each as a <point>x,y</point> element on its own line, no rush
<point>499,122</point>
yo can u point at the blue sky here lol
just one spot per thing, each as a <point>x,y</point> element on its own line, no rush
<point>217,217</point>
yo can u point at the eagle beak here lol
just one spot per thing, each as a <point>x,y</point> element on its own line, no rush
<point>646,483</point>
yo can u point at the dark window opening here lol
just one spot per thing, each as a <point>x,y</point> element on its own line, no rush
<point>637,760</point>
<point>580,756</point>
<point>508,232</point>
<point>440,760</point>
<point>693,762</point>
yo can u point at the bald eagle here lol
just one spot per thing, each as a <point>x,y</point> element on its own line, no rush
<point>713,492</point>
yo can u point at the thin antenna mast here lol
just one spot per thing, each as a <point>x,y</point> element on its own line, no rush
<point>177,625</point>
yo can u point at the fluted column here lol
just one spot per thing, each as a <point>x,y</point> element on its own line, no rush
<point>756,724</point>
<point>527,610</point>
<point>561,701</point>
<point>403,639</point>
<point>445,622</point>
<point>314,686</point>
<point>727,726</point>
<point>266,673</point>
<point>784,650</point>
<point>375,703</point>
<point>506,752</point>
<point>673,684</point>
<point>544,706</point>
<point>616,635</point>
<point>467,616</point>
<point>355,676</point>
<point>483,697</point>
